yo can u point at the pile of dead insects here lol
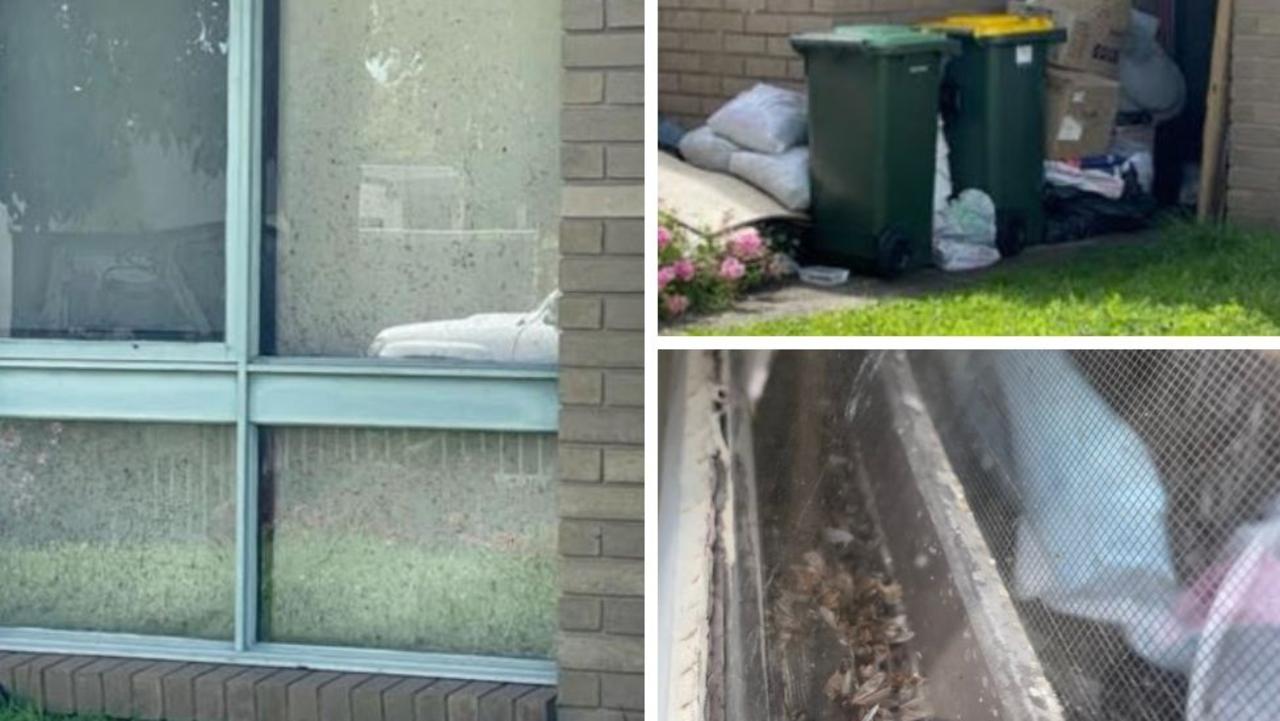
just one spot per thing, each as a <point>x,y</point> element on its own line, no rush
<point>878,679</point>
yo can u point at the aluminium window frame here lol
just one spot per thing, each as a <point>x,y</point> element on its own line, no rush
<point>228,383</point>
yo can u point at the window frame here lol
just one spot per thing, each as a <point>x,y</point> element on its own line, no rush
<point>229,383</point>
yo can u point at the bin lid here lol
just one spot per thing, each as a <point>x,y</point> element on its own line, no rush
<point>997,25</point>
<point>877,39</point>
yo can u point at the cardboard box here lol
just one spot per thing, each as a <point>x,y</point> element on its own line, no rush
<point>1080,110</point>
<point>1097,31</point>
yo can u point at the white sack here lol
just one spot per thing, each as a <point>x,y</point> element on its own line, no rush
<point>1149,79</point>
<point>707,150</point>
<point>784,176</point>
<point>765,118</point>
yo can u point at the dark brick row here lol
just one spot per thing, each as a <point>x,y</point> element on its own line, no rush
<point>154,690</point>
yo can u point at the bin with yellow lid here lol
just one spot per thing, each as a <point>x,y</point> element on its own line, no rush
<point>993,106</point>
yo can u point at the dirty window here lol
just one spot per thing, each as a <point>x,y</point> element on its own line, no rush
<point>113,143</point>
<point>117,527</point>
<point>409,539</point>
<point>411,178</point>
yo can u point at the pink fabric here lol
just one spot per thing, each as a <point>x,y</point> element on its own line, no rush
<point>1258,603</point>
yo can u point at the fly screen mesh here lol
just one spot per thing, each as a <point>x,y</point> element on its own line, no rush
<point>1130,500</point>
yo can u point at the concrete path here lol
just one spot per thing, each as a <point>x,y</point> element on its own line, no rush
<point>796,298</point>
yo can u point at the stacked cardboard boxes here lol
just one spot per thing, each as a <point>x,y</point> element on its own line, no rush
<point>1083,87</point>
<point>1081,113</point>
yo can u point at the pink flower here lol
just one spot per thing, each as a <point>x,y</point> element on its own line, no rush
<point>747,245</point>
<point>664,238</point>
<point>666,274</point>
<point>684,269</point>
<point>676,304</point>
<point>732,269</point>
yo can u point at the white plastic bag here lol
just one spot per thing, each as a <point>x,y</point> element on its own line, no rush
<point>1235,606</point>
<point>705,149</point>
<point>824,276</point>
<point>942,189</point>
<point>765,118</point>
<point>1137,143</point>
<point>1107,183</point>
<point>1091,539</point>
<point>785,176</point>
<point>964,235</point>
<point>1149,78</point>
<point>959,257</point>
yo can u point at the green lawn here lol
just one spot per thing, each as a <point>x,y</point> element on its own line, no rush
<point>320,587</point>
<point>22,712</point>
<point>1196,280</point>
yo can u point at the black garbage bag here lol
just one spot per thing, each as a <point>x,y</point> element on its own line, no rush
<point>1072,214</point>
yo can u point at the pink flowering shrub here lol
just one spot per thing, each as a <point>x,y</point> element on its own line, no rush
<point>708,276</point>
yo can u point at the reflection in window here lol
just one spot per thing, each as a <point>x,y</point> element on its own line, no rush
<point>413,540</point>
<point>117,527</point>
<point>113,147</point>
<point>412,179</point>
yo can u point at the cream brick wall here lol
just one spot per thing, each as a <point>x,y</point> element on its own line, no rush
<point>709,50</point>
<point>1253,179</point>
<point>601,650</point>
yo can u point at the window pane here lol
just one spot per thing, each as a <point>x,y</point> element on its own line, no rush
<point>412,177</point>
<point>413,540</point>
<point>117,527</point>
<point>113,143</point>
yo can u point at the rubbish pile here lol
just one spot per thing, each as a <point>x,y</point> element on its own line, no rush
<point>1048,130</point>
<point>759,136</point>
<point>1102,108</point>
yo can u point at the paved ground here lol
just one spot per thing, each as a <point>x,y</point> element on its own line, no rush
<point>796,298</point>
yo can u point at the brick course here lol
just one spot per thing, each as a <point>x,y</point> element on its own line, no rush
<point>140,689</point>
<point>601,652</point>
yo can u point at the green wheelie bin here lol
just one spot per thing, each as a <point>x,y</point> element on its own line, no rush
<point>993,106</point>
<point>873,125</point>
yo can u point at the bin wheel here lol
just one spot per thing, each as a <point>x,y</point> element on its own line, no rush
<point>893,254</point>
<point>1011,234</point>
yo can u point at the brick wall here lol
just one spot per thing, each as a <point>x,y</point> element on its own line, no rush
<point>1253,178</point>
<point>601,651</point>
<point>710,50</point>
<point>153,690</point>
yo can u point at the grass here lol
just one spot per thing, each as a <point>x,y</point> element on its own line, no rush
<point>322,587</point>
<point>1195,280</point>
<point>354,590</point>
<point>22,712</point>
